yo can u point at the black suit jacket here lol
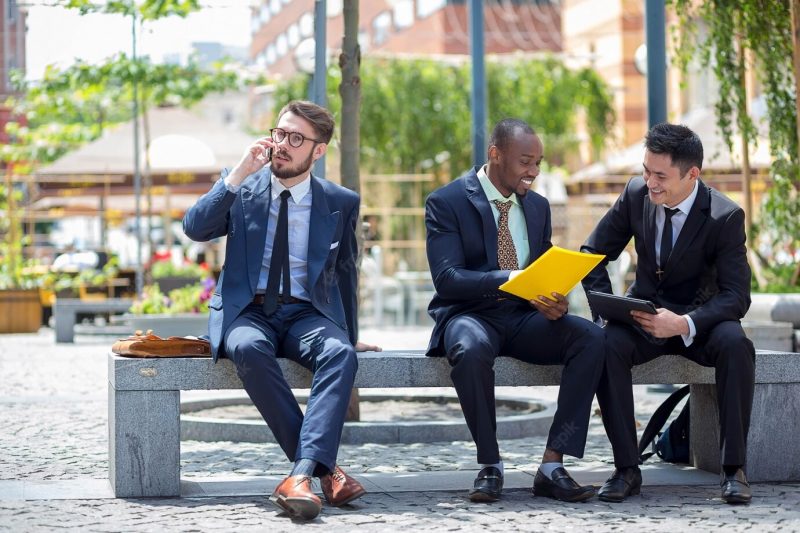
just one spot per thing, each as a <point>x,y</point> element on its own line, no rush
<point>706,276</point>
<point>462,249</point>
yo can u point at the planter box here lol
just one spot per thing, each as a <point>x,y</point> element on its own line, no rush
<point>20,311</point>
<point>169,283</point>
<point>178,325</point>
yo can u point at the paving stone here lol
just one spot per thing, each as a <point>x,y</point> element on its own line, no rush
<point>54,427</point>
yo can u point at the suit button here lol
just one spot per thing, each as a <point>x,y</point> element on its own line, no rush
<point>328,300</point>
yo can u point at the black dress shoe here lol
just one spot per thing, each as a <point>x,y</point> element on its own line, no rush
<point>623,482</point>
<point>561,487</point>
<point>735,488</point>
<point>488,485</point>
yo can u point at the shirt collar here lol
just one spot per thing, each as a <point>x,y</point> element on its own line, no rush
<point>490,190</point>
<point>686,205</point>
<point>298,191</point>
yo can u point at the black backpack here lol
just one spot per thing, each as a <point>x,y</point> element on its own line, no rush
<point>673,444</point>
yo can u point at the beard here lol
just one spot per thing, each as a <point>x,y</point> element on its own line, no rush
<point>288,172</point>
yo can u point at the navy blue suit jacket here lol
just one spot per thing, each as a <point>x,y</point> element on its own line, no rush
<point>706,275</point>
<point>332,249</point>
<point>462,249</point>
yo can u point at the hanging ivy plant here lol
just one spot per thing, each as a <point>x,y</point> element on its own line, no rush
<point>762,29</point>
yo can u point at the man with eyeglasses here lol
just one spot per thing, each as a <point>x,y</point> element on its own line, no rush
<point>288,289</point>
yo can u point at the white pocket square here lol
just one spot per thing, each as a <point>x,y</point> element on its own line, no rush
<point>334,245</point>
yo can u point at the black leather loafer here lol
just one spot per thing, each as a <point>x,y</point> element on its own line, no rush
<point>561,487</point>
<point>488,485</point>
<point>735,488</point>
<point>623,482</point>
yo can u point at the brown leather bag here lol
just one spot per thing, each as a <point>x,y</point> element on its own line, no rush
<point>150,345</point>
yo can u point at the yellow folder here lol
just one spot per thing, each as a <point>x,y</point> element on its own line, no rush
<point>556,270</point>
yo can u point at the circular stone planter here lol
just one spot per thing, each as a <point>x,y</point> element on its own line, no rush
<point>534,420</point>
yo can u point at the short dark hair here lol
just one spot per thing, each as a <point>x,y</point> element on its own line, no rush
<point>679,142</point>
<point>507,129</point>
<point>320,118</point>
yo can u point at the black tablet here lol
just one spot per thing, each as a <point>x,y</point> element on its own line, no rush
<point>618,308</point>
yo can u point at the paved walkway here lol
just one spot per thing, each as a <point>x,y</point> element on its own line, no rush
<point>53,469</point>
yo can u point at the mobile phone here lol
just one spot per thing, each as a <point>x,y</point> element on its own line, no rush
<point>269,155</point>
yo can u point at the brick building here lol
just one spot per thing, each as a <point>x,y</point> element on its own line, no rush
<point>432,27</point>
<point>12,53</point>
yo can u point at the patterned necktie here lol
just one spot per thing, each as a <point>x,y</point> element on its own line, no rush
<point>279,262</point>
<point>506,253</point>
<point>666,236</point>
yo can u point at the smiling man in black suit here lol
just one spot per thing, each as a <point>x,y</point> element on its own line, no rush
<point>692,263</point>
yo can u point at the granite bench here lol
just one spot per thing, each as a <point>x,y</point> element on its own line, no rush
<point>66,310</point>
<point>144,407</point>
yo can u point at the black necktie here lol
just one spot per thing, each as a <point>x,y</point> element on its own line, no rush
<point>279,262</point>
<point>666,236</point>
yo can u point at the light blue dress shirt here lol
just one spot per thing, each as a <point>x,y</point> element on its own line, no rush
<point>516,217</point>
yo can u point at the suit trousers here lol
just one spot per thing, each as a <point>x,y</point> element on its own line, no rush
<point>298,332</point>
<point>473,341</point>
<point>725,347</point>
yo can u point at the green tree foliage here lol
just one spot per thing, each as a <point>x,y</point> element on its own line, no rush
<point>762,28</point>
<point>147,10</point>
<point>415,114</point>
<point>70,107</point>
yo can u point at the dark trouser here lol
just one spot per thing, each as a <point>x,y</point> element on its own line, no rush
<point>473,341</point>
<point>300,333</point>
<point>725,347</point>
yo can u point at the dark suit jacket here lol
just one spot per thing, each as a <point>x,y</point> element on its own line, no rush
<point>707,275</point>
<point>462,249</point>
<point>332,249</point>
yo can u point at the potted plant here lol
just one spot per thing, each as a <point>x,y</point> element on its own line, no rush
<point>20,302</point>
<point>181,312</point>
<point>169,276</point>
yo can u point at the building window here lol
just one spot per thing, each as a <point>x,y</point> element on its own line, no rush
<point>275,6</point>
<point>334,8</point>
<point>281,46</point>
<point>428,7</point>
<point>264,14</point>
<point>293,35</point>
<point>12,10</point>
<point>404,14</point>
<point>306,25</point>
<point>381,25</point>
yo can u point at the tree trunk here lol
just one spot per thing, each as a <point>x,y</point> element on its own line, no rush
<point>350,92</point>
<point>795,6</point>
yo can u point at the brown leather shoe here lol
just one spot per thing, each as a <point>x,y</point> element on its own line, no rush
<point>339,488</point>
<point>294,495</point>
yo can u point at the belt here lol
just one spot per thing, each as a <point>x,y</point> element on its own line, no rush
<point>258,299</point>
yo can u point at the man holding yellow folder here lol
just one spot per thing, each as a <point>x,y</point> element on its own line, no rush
<point>481,230</point>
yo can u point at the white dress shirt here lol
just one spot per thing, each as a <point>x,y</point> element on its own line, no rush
<point>678,220</point>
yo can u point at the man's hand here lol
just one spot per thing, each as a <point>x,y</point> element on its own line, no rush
<point>253,160</point>
<point>363,347</point>
<point>663,324</point>
<point>552,308</point>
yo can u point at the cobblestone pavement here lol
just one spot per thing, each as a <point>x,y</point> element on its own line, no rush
<point>54,427</point>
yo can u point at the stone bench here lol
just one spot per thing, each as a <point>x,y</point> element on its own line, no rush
<point>66,310</point>
<point>144,407</point>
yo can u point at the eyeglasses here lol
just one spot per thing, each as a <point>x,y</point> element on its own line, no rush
<point>296,138</point>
